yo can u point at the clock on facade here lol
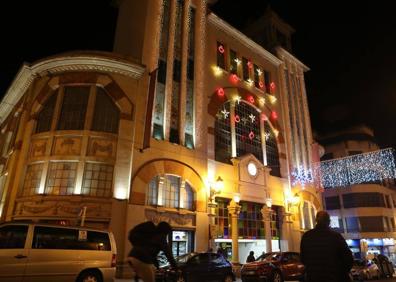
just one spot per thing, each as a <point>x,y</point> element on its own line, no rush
<point>252,169</point>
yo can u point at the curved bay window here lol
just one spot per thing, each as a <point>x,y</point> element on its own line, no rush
<point>171,191</point>
<point>74,113</point>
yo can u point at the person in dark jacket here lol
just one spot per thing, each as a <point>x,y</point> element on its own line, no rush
<point>325,254</point>
<point>251,257</point>
<point>147,241</point>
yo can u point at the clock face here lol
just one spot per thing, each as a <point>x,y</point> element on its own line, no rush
<point>252,169</point>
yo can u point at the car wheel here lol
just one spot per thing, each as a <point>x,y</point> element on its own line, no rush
<point>228,278</point>
<point>89,276</point>
<point>277,277</point>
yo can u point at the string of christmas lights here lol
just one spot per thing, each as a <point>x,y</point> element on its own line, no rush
<point>301,176</point>
<point>369,167</point>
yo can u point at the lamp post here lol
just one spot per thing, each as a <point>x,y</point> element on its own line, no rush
<point>266,211</point>
<point>234,209</point>
<point>214,189</point>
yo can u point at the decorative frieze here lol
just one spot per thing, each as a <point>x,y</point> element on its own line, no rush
<point>172,217</point>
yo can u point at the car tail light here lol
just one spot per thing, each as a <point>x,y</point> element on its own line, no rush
<point>113,260</point>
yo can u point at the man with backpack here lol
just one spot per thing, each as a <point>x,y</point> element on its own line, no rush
<point>147,241</point>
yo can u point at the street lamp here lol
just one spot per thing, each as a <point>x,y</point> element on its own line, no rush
<point>215,189</point>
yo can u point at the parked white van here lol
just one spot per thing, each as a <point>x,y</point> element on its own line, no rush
<point>33,252</point>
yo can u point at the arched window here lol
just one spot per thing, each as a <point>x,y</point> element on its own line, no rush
<point>170,191</point>
<point>247,129</point>
<point>44,119</point>
<point>271,148</point>
<point>307,215</point>
<point>106,115</point>
<point>74,108</point>
<point>223,135</point>
<point>248,135</point>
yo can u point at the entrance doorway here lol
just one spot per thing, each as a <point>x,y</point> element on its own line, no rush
<point>182,242</point>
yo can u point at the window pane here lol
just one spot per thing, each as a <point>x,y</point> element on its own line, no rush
<point>247,129</point>
<point>223,135</point>
<point>98,180</point>
<point>44,119</point>
<point>74,107</point>
<point>106,115</point>
<point>220,55</point>
<point>31,185</point>
<point>13,237</point>
<point>272,151</point>
<point>61,178</point>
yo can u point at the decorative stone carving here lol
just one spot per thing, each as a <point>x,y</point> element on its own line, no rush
<point>67,146</point>
<point>173,218</point>
<point>38,147</point>
<point>100,147</point>
<point>62,207</point>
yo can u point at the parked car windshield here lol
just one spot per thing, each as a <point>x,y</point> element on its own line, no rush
<point>184,258</point>
<point>270,257</point>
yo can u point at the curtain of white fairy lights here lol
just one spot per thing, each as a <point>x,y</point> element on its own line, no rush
<point>372,167</point>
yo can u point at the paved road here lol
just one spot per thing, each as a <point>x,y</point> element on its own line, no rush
<point>239,280</point>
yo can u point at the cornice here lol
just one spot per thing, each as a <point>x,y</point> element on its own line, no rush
<point>283,53</point>
<point>60,64</point>
<point>242,38</point>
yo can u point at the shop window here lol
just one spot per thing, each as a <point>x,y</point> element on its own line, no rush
<point>98,179</point>
<point>106,114</point>
<point>31,185</point>
<point>61,178</point>
<point>360,200</point>
<point>171,191</point>
<point>45,117</point>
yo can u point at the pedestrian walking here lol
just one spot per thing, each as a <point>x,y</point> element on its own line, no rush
<point>147,241</point>
<point>251,257</point>
<point>325,253</point>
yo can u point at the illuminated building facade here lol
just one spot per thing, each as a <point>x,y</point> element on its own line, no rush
<point>187,121</point>
<point>359,190</point>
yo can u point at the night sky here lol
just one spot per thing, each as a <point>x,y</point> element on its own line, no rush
<point>351,50</point>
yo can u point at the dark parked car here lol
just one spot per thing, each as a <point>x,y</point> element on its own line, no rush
<point>274,267</point>
<point>198,267</point>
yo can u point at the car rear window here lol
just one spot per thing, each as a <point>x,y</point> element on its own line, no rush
<point>70,239</point>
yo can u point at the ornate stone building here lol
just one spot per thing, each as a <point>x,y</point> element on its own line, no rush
<point>149,132</point>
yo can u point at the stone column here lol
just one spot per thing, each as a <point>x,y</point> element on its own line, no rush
<point>266,212</point>
<point>212,226</point>
<point>233,210</point>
